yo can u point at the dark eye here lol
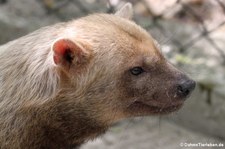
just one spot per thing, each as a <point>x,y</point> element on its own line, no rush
<point>136,71</point>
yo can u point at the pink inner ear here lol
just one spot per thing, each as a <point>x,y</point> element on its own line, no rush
<point>61,48</point>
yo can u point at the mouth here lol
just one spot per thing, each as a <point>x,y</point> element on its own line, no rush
<point>141,108</point>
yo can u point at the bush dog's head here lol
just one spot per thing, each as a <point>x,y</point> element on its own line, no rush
<point>114,69</point>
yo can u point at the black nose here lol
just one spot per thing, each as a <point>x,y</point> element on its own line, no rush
<point>185,88</point>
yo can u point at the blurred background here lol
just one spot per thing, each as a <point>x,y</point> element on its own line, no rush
<point>192,37</point>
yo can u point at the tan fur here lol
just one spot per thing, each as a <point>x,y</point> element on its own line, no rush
<point>44,105</point>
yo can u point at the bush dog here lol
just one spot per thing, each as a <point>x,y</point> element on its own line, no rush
<point>65,84</point>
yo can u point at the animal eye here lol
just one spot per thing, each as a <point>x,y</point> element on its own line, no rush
<point>136,71</point>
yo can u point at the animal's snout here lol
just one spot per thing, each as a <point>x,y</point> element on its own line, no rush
<point>185,88</point>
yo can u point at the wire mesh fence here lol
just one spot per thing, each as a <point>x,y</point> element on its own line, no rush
<point>186,11</point>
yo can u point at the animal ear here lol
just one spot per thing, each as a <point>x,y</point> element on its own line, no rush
<point>126,11</point>
<point>67,53</point>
